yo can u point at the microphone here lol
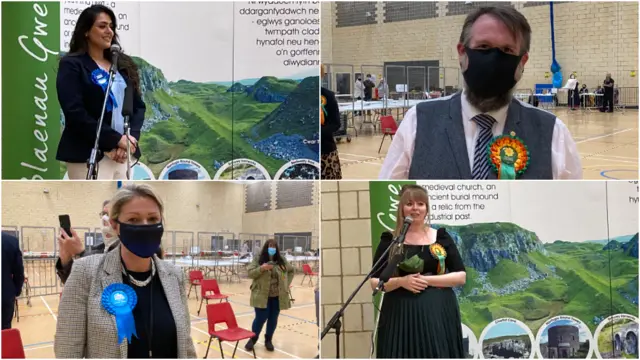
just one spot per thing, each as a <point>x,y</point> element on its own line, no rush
<point>115,52</point>
<point>396,260</point>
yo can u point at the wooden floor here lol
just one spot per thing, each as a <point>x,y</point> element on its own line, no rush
<point>607,142</point>
<point>295,337</point>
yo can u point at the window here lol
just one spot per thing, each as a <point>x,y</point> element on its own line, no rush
<point>395,11</point>
<point>292,194</point>
<point>464,8</point>
<point>352,13</point>
<point>257,197</point>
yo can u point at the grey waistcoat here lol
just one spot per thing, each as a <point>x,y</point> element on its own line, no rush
<point>441,150</point>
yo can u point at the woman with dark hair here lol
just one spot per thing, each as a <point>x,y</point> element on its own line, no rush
<point>81,84</point>
<point>330,123</point>
<point>420,317</point>
<point>272,275</point>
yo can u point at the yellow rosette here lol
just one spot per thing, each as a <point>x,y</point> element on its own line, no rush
<point>440,254</point>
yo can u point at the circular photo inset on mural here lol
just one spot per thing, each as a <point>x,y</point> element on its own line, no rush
<point>184,169</point>
<point>506,338</point>
<point>564,337</point>
<point>470,342</point>
<point>616,337</point>
<point>242,169</point>
<point>301,169</point>
<point>141,171</point>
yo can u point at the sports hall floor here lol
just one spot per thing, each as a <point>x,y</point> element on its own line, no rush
<point>607,142</point>
<point>295,337</point>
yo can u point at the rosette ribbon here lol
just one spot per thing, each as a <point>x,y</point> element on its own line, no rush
<point>101,78</point>
<point>440,254</point>
<point>509,156</point>
<point>323,113</point>
<point>119,300</point>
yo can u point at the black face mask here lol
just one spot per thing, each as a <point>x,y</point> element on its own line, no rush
<point>142,240</point>
<point>490,72</point>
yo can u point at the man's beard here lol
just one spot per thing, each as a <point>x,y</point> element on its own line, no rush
<point>488,104</point>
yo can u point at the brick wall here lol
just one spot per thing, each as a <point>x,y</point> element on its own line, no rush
<point>346,259</point>
<point>592,38</point>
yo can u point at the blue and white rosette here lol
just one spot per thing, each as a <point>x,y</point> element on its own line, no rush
<point>101,78</point>
<point>119,300</point>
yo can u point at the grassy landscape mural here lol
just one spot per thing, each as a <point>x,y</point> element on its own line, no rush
<point>511,273</point>
<point>268,120</point>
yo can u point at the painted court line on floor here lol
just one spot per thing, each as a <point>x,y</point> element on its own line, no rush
<point>50,311</point>
<point>603,136</point>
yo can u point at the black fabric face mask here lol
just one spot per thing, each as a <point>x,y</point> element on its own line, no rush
<point>142,240</point>
<point>490,72</point>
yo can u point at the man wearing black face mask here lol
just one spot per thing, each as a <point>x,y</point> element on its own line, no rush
<point>449,138</point>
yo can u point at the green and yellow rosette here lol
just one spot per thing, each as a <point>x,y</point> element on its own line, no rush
<point>509,156</point>
<point>440,254</point>
<point>323,110</point>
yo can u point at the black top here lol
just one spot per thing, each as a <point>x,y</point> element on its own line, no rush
<point>453,261</point>
<point>164,339</point>
<point>12,269</point>
<point>81,102</point>
<point>606,88</point>
<point>331,122</point>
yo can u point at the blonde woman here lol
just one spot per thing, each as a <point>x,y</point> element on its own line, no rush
<point>420,317</point>
<point>126,303</point>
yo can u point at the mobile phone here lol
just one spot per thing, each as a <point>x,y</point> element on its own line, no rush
<point>65,223</point>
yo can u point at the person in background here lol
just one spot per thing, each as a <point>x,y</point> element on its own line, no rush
<point>72,247</point>
<point>607,101</point>
<point>368,88</point>
<point>573,98</point>
<point>358,93</point>
<point>271,276</point>
<point>104,286</point>
<point>383,89</point>
<point>12,277</point>
<point>585,100</point>
<point>81,87</point>
<point>330,123</point>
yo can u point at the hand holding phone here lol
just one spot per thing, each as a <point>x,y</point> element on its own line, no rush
<point>65,224</point>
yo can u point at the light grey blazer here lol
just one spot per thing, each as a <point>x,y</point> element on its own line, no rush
<point>86,330</point>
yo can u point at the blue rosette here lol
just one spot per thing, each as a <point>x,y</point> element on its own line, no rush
<point>101,78</point>
<point>119,300</point>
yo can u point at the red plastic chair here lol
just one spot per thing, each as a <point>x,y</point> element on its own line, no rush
<point>389,127</point>
<point>195,278</point>
<point>208,286</point>
<point>306,269</point>
<point>12,344</point>
<point>223,313</point>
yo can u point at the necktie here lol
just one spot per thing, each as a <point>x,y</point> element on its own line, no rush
<point>481,165</point>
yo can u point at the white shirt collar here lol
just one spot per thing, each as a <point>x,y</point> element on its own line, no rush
<point>469,111</point>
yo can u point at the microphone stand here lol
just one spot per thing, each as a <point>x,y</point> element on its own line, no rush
<point>92,173</point>
<point>336,322</point>
<point>127,131</point>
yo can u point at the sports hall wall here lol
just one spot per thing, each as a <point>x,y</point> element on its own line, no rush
<point>540,260</point>
<point>591,38</point>
<point>213,110</point>
<point>189,206</point>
